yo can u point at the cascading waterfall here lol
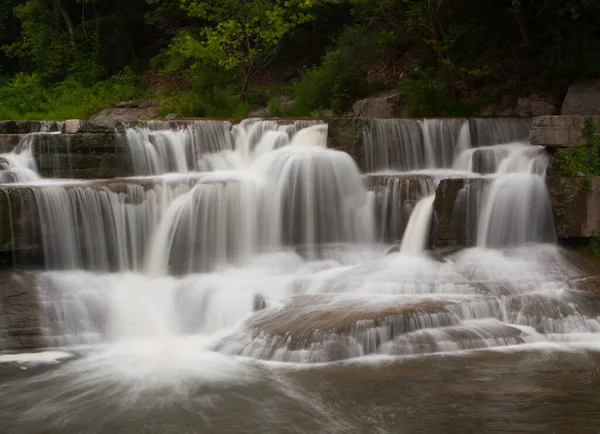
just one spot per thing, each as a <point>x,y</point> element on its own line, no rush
<point>395,198</point>
<point>257,240</point>
<point>417,230</point>
<point>516,209</point>
<point>19,165</point>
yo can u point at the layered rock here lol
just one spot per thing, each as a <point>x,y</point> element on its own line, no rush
<point>534,105</point>
<point>346,134</point>
<point>558,131</point>
<point>395,197</point>
<point>20,323</point>
<point>583,98</point>
<point>575,206</point>
<point>455,208</point>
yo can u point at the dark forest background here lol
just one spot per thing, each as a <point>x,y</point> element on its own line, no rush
<point>70,58</point>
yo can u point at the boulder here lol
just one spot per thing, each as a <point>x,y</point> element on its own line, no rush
<point>583,98</point>
<point>128,111</point>
<point>534,106</point>
<point>384,105</point>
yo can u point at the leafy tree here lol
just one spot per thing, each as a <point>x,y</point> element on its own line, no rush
<point>49,50</point>
<point>238,34</point>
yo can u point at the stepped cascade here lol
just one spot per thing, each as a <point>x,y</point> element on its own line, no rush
<point>257,240</point>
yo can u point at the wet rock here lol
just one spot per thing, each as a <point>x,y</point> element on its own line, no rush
<point>394,249</point>
<point>583,98</point>
<point>395,198</point>
<point>19,308</point>
<point>454,338</point>
<point>590,285</point>
<point>20,234</point>
<point>384,105</point>
<point>26,127</point>
<point>575,206</point>
<point>455,209</point>
<point>346,134</point>
<point>259,303</point>
<point>9,141</point>
<point>322,328</point>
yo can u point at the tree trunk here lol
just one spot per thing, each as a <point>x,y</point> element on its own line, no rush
<point>518,11</point>
<point>244,91</point>
<point>69,23</point>
<point>442,53</point>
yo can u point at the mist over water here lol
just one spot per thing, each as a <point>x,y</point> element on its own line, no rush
<point>238,283</point>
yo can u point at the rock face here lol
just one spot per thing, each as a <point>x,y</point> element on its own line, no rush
<point>20,325</point>
<point>558,131</point>
<point>583,98</point>
<point>505,107</point>
<point>346,134</point>
<point>384,105</point>
<point>528,106</point>
<point>456,210</point>
<point>128,111</point>
<point>575,206</point>
<point>20,235</point>
<point>534,106</point>
<point>395,199</point>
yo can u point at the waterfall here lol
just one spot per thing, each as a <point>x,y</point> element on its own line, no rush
<point>395,197</point>
<point>408,144</point>
<point>417,230</point>
<point>205,145</point>
<point>257,240</point>
<point>516,209</point>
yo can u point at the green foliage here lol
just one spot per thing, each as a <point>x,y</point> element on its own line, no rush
<point>212,94</point>
<point>439,52</point>
<point>28,97</point>
<point>582,159</point>
<point>277,109</point>
<point>49,49</point>
<point>593,246</point>
<point>342,77</point>
<point>427,97</point>
<point>237,34</point>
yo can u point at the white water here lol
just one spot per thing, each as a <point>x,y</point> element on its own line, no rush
<point>263,245</point>
<point>417,231</point>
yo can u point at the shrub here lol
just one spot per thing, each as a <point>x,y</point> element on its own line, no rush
<point>212,94</point>
<point>582,159</point>
<point>428,97</point>
<point>28,97</point>
<point>342,77</point>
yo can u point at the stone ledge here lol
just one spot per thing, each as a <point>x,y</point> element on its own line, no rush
<point>558,131</point>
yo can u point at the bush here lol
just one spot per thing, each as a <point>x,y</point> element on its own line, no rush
<point>342,77</point>
<point>428,97</point>
<point>213,94</point>
<point>582,159</point>
<point>28,97</point>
